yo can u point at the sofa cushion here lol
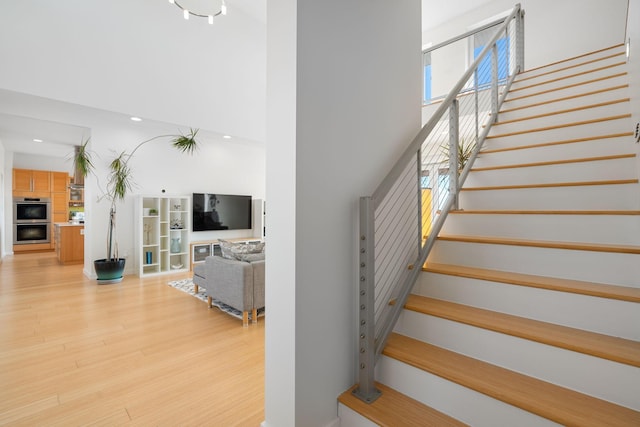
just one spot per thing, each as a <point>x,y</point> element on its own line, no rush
<point>236,251</point>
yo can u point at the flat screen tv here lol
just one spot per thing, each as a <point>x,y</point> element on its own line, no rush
<point>221,212</point>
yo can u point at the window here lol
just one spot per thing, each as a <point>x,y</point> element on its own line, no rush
<point>426,62</point>
<point>480,40</point>
<point>425,182</point>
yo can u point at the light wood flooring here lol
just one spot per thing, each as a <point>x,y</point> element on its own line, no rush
<point>140,352</point>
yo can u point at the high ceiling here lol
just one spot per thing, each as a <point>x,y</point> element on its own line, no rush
<point>17,132</point>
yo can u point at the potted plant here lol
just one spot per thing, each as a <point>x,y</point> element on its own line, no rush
<point>464,153</point>
<point>119,182</point>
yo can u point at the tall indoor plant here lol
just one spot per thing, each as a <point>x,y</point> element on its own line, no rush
<point>119,183</point>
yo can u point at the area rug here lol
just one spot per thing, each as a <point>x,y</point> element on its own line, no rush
<point>186,285</point>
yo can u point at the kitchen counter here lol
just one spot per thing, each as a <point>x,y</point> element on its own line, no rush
<point>69,242</point>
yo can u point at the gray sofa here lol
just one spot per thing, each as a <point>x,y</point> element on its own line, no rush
<point>238,284</point>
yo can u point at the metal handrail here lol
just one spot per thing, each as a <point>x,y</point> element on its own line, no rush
<point>463,36</point>
<point>393,245</point>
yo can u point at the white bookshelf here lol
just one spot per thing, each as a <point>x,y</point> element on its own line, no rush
<point>162,234</point>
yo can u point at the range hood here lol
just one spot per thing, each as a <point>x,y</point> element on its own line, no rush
<point>77,181</point>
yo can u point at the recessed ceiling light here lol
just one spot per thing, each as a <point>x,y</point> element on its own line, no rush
<point>37,140</point>
<point>226,136</point>
<point>136,119</point>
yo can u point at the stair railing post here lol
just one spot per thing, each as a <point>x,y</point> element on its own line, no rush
<point>507,52</point>
<point>366,389</point>
<point>454,116</point>
<point>476,103</point>
<point>494,83</point>
<point>519,41</point>
<point>420,201</point>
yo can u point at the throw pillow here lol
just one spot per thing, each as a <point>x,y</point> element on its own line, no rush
<point>237,250</point>
<point>251,257</point>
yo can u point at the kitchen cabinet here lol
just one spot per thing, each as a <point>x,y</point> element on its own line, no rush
<point>31,183</point>
<point>59,199</point>
<point>69,241</point>
<point>59,182</point>
<point>76,197</point>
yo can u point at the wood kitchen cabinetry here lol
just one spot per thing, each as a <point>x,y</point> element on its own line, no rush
<point>31,183</point>
<point>69,240</point>
<point>59,182</point>
<point>59,199</point>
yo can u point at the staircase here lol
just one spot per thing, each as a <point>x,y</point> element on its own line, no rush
<point>527,312</point>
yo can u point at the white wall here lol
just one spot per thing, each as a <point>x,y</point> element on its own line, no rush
<point>343,101</point>
<point>554,29</point>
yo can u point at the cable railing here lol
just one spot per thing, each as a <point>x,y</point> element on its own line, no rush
<point>445,61</point>
<point>400,221</point>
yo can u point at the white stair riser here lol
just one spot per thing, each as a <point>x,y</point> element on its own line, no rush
<point>350,418</point>
<point>595,148</point>
<point>532,110</point>
<point>516,99</point>
<point>588,197</point>
<point>590,375</point>
<point>608,229</point>
<point>527,88</point>
<point>606,127</point>
<point>598,57</point>
<point>590,266</point>
<point>578,72</point>
<point>464,404</point>
<point>562,119</point>
<point>601,170</point>
<point>600,315</point>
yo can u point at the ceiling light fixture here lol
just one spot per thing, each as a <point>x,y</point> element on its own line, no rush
<point>203,9</point>
<point>136,119</point>
<point>226,136</point>
<point>37,140</point>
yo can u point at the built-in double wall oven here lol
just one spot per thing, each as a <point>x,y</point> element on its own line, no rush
<point>31,220</point>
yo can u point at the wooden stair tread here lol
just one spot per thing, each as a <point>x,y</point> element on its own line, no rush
<point>599,345</point>
<point>577,246</point>
<point>557,89</point>
<point>552,143</point>
<point>623,293</point>
<point>564,98</point>
<point>556,162</point>
<point>393,408</point>
<point>564,111</point>
<point>564,125</point>
<point>569,76</point>
<point>524,77</point>
<point>553,184</point>
<point>584,55</point>
<point>550,401</point>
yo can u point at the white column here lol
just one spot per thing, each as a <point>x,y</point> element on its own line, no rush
<point>343,101</point>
